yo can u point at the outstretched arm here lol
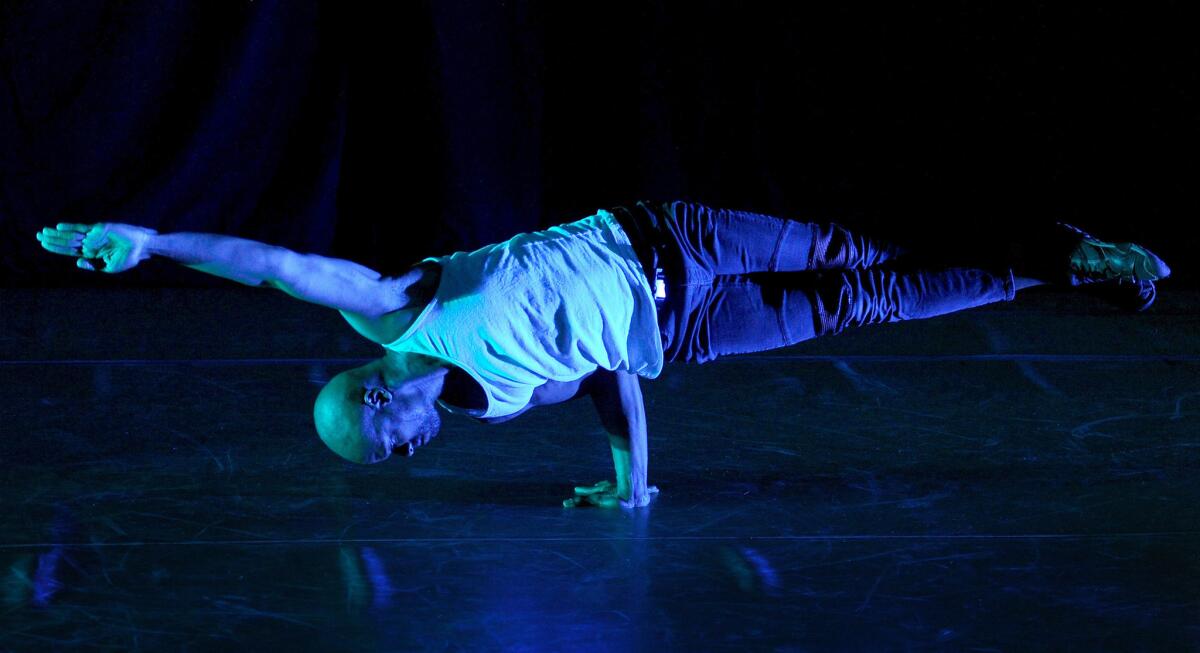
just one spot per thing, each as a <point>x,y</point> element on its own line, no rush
<point>618,400</point>
<point>331,282</point>
<point>335,283</point>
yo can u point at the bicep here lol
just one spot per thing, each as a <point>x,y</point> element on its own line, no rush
<point>379,330</point>
<point>337,283</point>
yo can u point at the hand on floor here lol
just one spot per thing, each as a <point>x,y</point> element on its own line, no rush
<point>604,495</point>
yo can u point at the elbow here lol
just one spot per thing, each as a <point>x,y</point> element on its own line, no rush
<point>282,267</point>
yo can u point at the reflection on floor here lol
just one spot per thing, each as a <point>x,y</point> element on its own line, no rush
<point>1019,477</point>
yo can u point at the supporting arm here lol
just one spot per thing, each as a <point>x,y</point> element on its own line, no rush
<point>618,400</point>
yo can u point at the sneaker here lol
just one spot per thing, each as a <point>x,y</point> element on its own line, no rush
<point>1132,296</point>
<point>1095,260</point>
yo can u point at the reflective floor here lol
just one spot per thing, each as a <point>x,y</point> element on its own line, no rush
<point>1019,477</point>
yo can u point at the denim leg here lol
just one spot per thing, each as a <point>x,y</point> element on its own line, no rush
<point>859,297</point>
<point>748,313</point>
<point>716,242</point>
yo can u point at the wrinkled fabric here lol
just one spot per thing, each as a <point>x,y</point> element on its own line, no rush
<point>551,305</point>
<point>740,282</point>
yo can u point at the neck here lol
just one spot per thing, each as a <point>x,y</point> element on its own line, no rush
<point>400,367</point>
<point>413,373</point>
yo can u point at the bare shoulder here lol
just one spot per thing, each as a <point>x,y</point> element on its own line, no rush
<point>416,287</point>
<point>381,329</point>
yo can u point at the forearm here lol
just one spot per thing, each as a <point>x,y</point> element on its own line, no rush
<point>630,461</point>
<point>627,437</point>
<point>619,403</point>
<point>245,261</point>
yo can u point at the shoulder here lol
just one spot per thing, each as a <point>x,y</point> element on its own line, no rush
<point>411,291</point>
<point>382,329</point>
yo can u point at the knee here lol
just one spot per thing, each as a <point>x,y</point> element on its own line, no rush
<point>834,247</point>
<point>838,247</point>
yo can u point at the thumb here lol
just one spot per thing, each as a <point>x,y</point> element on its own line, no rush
<point>84,265</point>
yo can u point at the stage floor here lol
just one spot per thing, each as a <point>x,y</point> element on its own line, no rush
<point>1019,477</point>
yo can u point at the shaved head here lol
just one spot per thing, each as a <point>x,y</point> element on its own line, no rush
<point>365,413</point>
<point>338,414</point>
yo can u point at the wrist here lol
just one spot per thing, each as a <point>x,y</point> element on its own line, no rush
<point>621,462</point>
<point>149,245</point>
<point>156,244</point>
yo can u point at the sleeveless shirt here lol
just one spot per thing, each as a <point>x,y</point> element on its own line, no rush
<point>550,305</point>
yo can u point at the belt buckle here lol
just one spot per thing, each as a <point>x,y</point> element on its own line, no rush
<point>660,286</point>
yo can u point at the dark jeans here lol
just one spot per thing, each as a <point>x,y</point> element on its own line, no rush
<point>740,282</point>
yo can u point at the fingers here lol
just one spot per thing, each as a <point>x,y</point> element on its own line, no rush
<point>597,500</point>
<point>603,495</point>
<point>61,249</point>
<point>72,239</point>
<point>602,486</point>
<point>94,240</point>
<point>57,234</point>
<point>60,242</point>
<point>68,240</point>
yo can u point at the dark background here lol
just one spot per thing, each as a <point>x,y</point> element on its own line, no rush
<point>387,134</point>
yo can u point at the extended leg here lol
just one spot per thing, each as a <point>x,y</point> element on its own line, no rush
<point>749,313</point>
<point>860,297</point>
<point>726,242</point>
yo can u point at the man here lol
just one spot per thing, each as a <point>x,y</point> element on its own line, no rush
<point>588,307</point>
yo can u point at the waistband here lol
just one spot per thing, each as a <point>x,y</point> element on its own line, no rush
<point>640,225</point>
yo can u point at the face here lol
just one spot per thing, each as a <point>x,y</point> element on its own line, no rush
<point>395,421</point>
<point>365,415</point>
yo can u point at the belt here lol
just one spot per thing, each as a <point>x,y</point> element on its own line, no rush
<point>660,286</point>
<point>644,247</point>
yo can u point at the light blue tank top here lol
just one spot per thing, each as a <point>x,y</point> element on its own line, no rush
<point>550,305</point>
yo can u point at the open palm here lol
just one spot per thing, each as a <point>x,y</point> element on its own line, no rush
<point>105,246</point>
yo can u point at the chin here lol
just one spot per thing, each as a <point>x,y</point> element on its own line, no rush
<point>430,426</point>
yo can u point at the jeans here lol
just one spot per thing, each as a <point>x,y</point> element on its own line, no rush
<point>740,282</point>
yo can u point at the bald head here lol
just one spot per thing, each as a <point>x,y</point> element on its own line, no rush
<point>365,413</point>
<point>338,414</point>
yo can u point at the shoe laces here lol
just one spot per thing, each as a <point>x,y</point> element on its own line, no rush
<point>1098,258</point>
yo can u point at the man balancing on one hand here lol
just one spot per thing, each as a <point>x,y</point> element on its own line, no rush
<point>587,308</point>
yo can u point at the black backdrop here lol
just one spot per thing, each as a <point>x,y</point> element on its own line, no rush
<point>387,134</point>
